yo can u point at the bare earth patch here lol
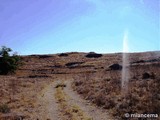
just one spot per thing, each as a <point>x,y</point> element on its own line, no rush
<point>47,104</point>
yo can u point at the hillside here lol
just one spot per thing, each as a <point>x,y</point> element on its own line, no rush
<point>79,86</point>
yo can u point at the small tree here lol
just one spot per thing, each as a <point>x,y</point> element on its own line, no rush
<point>8,64</point>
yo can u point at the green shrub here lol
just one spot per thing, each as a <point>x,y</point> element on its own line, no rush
<point>8,64</point>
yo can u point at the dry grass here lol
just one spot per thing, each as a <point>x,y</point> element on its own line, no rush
<point>93,80</point>
<point>68,112</point>
<point>104,90</point>
<point>20,98</point>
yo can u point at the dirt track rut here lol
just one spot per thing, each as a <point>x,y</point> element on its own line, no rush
<point>92,111</point>
<point>48,106</point>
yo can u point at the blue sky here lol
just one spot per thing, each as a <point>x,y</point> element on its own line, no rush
<point>55,26</point>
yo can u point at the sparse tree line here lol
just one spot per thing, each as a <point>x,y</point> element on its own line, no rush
<point>8,63</point>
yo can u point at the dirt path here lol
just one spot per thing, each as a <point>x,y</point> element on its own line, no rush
<point>92,111</point>
<point>48,109</point>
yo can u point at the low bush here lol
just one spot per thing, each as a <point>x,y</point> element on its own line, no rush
<point>148,75</point>
<point>38,76</point>
<point>8,64</point>
<point>63,55</point>
<point>93,55</point>
<point>45,56</point>
<point>115,67</point>
<point>73,64</point>
<point>62,85</point>
<point>78,83</point>
<point>4,108</point>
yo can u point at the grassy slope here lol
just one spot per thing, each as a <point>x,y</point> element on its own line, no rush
<point>93,80</point>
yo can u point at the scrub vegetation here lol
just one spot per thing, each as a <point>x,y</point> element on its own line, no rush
<point>8,64</point>
<point>32,93</point>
